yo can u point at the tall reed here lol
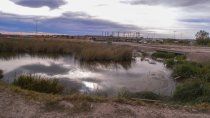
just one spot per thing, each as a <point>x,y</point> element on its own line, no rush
<point>85,51</point>
<point>39,84</point>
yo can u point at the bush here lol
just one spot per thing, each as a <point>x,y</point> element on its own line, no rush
<point>204,42</point>
<point>192,91</point>
<point>38,84</point>
<point>206,72</point>
<point>165,55</point>
<point>180,57</point>
<point>170,63</point>
<point>187,70</point>
<point>124,93</point>
<point>1,74</point>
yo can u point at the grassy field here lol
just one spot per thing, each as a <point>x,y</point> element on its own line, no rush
<point>84,51</point>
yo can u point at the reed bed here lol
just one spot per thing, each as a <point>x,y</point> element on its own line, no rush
<point>39,84</point>
<point>85,51</point>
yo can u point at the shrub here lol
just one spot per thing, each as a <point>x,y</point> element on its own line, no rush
<point>170,63</point>
<point>1,74</point>
<point>124,93</point>
<point>180,57</point>
<point>38,84</point>
<point>205,71</point>
<point>187,70</point>
<point>164,55</point>
<point>204,42</point>
<point>192,91</point>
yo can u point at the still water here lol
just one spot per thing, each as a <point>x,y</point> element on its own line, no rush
<point>140,75</point>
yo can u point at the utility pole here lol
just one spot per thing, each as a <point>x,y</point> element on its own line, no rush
<point>107,34</point>
<point>118,34</point>
<point>36,25</point>
<point>148,35</point>
<point>175,34</point>
<point>154,35</point>
<point>181,35</point>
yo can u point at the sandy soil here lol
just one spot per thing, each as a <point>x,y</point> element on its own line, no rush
<point>13,105</point>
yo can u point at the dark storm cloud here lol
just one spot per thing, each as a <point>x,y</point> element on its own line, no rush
<point>80,22</point>
<point>52,4</point>
<point>68,23</point>
<point>176,3</point>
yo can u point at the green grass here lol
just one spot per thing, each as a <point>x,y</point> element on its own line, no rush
<point>124,93</point>
<point>205,71</point>
<point>193,78</point>
<point>186,70</point>
<point>183,69</point>
<point>85,51</point>
<point>170,63</point>
<point>38,84</point>
<point>195,91</point>
<point>163,55</point>
<point>193,81</point>
<point>170,59</point>
<point>203,42</point>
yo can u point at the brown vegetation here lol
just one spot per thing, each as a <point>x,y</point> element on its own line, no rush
<point>16,102</point>
<point>39,84</point>
<point>85,51</point>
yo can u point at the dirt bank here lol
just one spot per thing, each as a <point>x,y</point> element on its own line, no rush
<point>13,104</point>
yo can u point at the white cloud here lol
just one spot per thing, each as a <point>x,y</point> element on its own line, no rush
<point>159,18</point>
<point>142,16</point>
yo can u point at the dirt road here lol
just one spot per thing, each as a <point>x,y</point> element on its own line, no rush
<point>194,53</point>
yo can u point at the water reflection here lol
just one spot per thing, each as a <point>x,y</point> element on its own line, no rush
<point>95,65</point>
<point>136,76</point>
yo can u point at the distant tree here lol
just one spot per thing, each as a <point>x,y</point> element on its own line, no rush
<point>202,35</point>
<point>202,38</point>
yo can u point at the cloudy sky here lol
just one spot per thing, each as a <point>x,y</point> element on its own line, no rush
<point>79,17</point>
